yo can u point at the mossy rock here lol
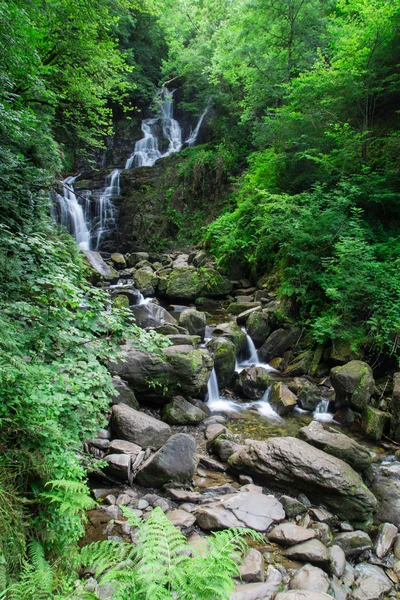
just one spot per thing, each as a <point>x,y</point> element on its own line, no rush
<point>216,285</point>
<point>375,423</point>
<point>353,384</point>
<point>223,351</point>
<point>258,327</point>
<point>121,301</point>
<point>145,281</point>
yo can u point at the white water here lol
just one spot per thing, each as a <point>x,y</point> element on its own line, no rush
<point>264,407</point>
<point>105,208</point>
<point>253,358</point>
<point>191,140</point>
<point>72,214</point>
<point>321,412</point>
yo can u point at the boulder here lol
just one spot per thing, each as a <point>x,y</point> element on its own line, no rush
<point>353,384</point>
<point>241,319</point>
<point>337,444</point>
<point>281,398</point>
<point>182,412</point>
<point>123,393</point>
<point>223,351</point>
<point>216,285</point>
<point>288,534</point>
<point>310,578</point>
<point>102,268</point>
<point>278,342</point>
<point>308,394</point>
<point>118,260</point>
<point>134,258</point>
<point>258,327</point>
<point>152,315</point>
<point>292,507</point>
<point>174,462</point>
<point>371,582</point>
<point>187,283</point>
<point>387,533</point>
<point>236,308</point>
<point>259,591</point>
<point>180,518</point>
<point>252,382</point>
<point>395,420</point>
<point>118,465</point>
<point>194,321</point>
<point>252,568</point>
<point>288,462</point>
<point>302,595</point>
<point>301,365</point>
<point>178,339</point>
<point>139,428</point>
<point>146,281</point>
<point>175,370</point>
<point>375,423</point>
<point>124,447</point>
<point>337,559</point>
<point>232,332</point>
<point>353,543</point>
<point>386,487</point>
<point>312,551</point>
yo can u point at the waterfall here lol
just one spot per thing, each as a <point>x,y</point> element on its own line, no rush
<point>72,214</point>
<point>321,412</point>
<point>264,407</point>
<point>105,208</point>
<point>191,140</point>
<point>214,400</point>
<point>252,354</point>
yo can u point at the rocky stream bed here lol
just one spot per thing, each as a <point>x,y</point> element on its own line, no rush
<point>242,422</point>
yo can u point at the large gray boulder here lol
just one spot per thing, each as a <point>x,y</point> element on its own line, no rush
<point>338,444</point>
<point>182,412</point>
<point>174,462</point>
<point>386,487</point>
<point>188,283</point>
<point>123,393</point>
<point>175,370</point>
<point>194,321</point>
<point>289,463</point>
<point>232,332</point>
<point>102,268</point>
<point>137,427</point>
<point>223,351</point>
<point>258,327</point>
<point>278,342</point>
<point>281,398</point>
<point>152,315</point>
<point>371,584</point>
<point>252,382</point>
<point>353,384</point>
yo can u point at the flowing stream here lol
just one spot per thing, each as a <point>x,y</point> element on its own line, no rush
<point>90,220</point>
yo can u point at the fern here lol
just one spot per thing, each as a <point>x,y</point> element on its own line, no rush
<point>36,580</point>
<point>72,497</point>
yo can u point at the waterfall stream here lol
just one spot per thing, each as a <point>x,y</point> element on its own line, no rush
<point>89,219</point>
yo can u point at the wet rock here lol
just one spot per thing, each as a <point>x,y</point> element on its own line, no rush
<point>278,342</point>
<point>102,268</point>
<point>312,551</point>
<point>187,283</point>
<point>371,582</point>
<point>308,394</point>
<point>375,423</point>
<point>194,321</point>
<point>286,461</point>
<point>214,430</point>
<point>301,365</point>
<point>353,384</point>
<point>337,444</point>
<point>337,559</point>
<point>178,339</point>
<point>118,465</point>
<point>153,315</point>
<point>259,591</point>
<point>258,327</point>
<point>288,534</point>
<point>211,464</point>
<point>387,533</point>
<point>118,260</point>
<point>232,332</point>
<point>175,461</point>
<point>252,382</point>
<point>100,444</point>
<point>237,308</point>
<point>302,595</point>
<point>124,447</point>
<point>310,578</point>
<point>224,447</point>
<point>139,428</point>
<point>396,547</point>
<point>146,281</point>
<point>282,399</point>
<point>223,351</point>
<point>182,412</point>
<point>292,507</point>
<point>386,487</point>
<point>176,370</point>
<point>123,393</point>
<point>180,518</point>
<point>252,568</point>
<point>353,543</point>
<point>134,258</point>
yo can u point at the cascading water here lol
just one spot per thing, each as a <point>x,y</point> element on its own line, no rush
<point>191,140</point>
<point>321,413</point>
<point>214,400</point>
<point>72,214</point>
<point>105,208</point>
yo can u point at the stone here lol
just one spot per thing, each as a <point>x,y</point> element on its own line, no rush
<point>118,260</point>
<point>255,510</point>
<point>134,258</point>
<point>213,517</point>
<point>187,283</point>
<point>124,447</point>
<point>337,444</point>
<point>142,504</point>
<point>102,268</point>
<point>211,464</point>
<point>301,365</point>
<point>371,582</point>
<point>310,578</point>
<point>353,543</point>
<point>232,332</point>
<point>288,534</point>
<point>180,518</point>
<point>323,532</point>
<point>396,547</point>
<point>292,507</point>
<point>312,551</point>
<point>308,394</point>
<point>123,393</point>
<point>182,412</point>
<point>289,462</point>
<point>176,370</point>
<point>184,495</point>
<point>278,342</point>
<point>258,327</point>
<point>252,568</point>
<point>175,461</point>
<point>105,591</point>
<point>118,465</point>
<point>224,448</point>
<point>387,533</point>
<point>237,308</point>
<point>302,595</point>
<point>339,590</point>
<point>146,281</point>
<point>353,384</point>
<point>395,420</point>
<point>252,382</point>
<point>216,285</point>
<point>259,591</point>
<point>375,423</point>
<point>194,321</point>
<point>104,434</point>
<point>198,544</point>
<point>282,399</point>
<point>178,339</point>
<point>137,427</point>
<point>100,444</point>
<point>386,487</point>
<point>241,319</point>
<point>121,301</point>
<point>214,430</point>
<point>223,351</point>
<point>337,560</point>
<point>124,500</point>
<point>153,315</point>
